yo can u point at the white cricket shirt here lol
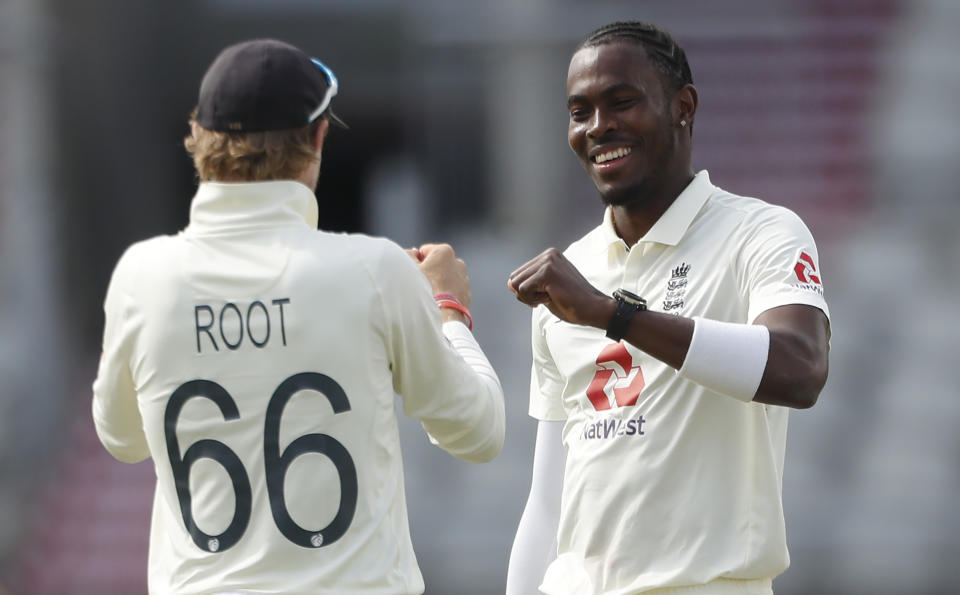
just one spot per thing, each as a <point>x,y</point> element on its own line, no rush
<point>255,360</point>
<point>667,483</point>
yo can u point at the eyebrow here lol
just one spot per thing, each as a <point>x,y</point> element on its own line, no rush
<point>611,90</point>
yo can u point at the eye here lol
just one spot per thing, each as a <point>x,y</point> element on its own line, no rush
<point>624,102</point>
<point>579,114</point>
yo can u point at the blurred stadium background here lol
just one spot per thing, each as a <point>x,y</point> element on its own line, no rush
<point>845,111</point>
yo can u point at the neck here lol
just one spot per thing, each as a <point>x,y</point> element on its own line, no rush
<point>310,176</point>
<point>633,220</point>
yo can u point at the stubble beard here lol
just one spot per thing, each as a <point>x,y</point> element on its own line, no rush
<point>646,188</point>
<point>624,197</point>
<point>638,193</point>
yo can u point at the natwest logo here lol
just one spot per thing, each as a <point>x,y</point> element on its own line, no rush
<point>617,374</point>
<point>806,270</point>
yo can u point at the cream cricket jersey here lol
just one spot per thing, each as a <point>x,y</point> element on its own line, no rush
<point>255,360</point>
<point>667,483</point>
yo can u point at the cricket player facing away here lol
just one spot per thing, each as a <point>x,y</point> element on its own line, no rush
<point>668,345</point>
<point>255,358</point>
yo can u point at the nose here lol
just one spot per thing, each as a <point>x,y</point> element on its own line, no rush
<point>600,123</point>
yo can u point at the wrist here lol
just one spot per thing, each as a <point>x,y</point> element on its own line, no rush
<point>452,309</point>
<point>627,306</point>
<point>605,310</point>
<point>451,315</point>
<point>443,295</point>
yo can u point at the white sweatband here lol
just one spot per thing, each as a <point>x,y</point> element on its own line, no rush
<point>726,357</point>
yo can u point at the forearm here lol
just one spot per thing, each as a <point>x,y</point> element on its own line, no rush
<point>780,359</point>
<point>663,336</point>
<point>790,367</point>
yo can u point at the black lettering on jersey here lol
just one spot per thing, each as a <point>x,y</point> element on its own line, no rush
<point>266,321</point>
<point>205,328</point>
<point>223,315</point>
<point>230,322</point>
<point>280,302</point>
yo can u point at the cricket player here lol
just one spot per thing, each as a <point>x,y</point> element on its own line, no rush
<point>255,358</point>
<point>668,345</point>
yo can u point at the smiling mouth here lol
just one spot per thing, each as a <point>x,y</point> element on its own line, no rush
<point>611,155</point>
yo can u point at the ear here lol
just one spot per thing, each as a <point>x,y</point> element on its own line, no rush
<point>685,104</point>
<point>321,133</point>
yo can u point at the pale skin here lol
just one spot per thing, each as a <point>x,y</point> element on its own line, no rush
<point>616,99</point>
<point>446,273</point>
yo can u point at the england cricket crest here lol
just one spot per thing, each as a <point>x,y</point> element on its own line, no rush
<point>676,288</point>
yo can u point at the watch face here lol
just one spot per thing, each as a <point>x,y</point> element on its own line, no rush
<point>630,298</point>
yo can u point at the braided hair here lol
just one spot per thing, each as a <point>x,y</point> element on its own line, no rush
<point>662,51</point>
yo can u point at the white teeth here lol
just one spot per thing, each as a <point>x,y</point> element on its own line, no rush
<point>604,157</point>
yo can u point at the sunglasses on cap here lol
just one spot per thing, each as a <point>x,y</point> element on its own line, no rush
<point>332,87</point>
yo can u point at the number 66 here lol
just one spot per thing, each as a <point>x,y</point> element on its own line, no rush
<point>276,463</point>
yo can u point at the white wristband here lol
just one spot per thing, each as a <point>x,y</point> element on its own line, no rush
<point>727,358</point>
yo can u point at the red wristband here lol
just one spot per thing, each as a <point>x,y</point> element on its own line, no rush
<point>446,296</point>
<point>456,305</point>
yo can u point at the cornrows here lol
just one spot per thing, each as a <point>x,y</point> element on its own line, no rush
<point>668,57</point>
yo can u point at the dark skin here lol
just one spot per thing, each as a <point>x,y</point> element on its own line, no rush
<point>618,105</point>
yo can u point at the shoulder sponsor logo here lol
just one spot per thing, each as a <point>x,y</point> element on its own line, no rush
<point>806,272</point>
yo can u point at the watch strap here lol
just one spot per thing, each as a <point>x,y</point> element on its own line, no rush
<point>628,305</point>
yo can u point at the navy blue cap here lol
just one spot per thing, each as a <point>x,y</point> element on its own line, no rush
<point>265,84</point>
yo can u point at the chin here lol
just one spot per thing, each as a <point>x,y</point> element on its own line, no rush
<point>621,196</point>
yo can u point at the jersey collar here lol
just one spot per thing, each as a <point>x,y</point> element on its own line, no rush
<point>222,206</point>
<point>673,224</point>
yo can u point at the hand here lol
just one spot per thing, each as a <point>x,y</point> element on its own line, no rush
<point>550,279</point>
<point>445,272</point>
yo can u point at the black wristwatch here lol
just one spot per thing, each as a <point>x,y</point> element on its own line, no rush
<point>628,304</point>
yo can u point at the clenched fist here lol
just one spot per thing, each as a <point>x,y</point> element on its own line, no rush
<point>552,280</point>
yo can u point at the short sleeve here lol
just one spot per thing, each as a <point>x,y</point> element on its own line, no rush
<point>546,384</point>
<point>779,263</point>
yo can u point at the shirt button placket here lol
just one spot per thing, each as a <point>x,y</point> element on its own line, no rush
<point>630,278</point>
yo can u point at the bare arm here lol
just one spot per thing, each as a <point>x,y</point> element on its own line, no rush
<point>796,368</point>
<point>799,353</point>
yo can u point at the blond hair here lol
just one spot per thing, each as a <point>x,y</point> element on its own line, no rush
<point>250,156</point>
